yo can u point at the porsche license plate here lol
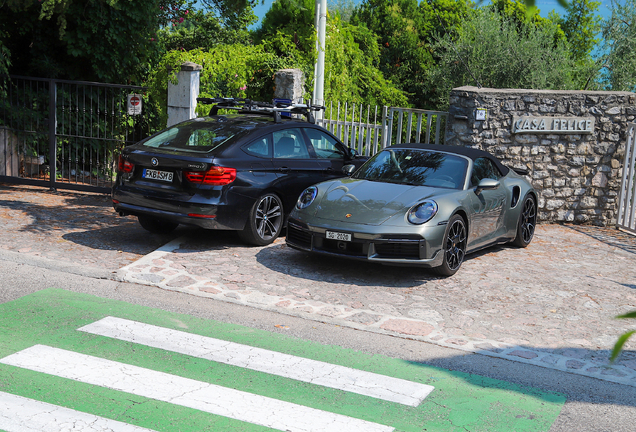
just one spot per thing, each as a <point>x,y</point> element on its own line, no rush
<point>157,175</point>
<point>332,235</point>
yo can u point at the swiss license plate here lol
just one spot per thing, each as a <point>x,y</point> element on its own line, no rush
<point>157,175</point>
<point>332,235</point>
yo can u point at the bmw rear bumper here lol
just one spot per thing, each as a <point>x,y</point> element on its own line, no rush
<point>388,248</point>
<point>203,213</point>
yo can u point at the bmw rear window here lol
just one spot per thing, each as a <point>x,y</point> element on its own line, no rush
<point>195,136</point>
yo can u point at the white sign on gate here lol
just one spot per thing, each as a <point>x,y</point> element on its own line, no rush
<point>134,104</point>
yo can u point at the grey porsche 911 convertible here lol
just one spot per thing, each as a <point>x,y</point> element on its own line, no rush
<point>417,204</point>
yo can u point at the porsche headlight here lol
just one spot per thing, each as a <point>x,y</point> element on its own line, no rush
<point>422,212</point>
<point>307,197</point>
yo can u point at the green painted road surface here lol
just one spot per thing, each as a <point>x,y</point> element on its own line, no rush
<point>77,362</point>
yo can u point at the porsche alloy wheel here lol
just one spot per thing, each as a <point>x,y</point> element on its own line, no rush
<point>454,247</point>
<point>527,222</point>
<point>265,221</point>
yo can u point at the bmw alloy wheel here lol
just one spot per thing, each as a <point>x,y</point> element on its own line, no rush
<point>265,221</point>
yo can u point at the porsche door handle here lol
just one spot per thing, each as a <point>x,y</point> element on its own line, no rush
<point>284,169</point>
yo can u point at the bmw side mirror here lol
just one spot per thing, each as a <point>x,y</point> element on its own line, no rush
<point>348,169</point>
<point>487,184</point>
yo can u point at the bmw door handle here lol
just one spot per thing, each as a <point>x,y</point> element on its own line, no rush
<point>284,169</point>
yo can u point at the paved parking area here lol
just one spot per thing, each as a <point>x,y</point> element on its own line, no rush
<point>552,304</point>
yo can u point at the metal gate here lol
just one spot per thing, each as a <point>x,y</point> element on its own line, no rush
<point>67,134</point>
<point>627,198</point>
<point>368,131</point>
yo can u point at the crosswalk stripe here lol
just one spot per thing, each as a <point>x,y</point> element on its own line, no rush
<point>262,360</point>
<point>186,392</point>
<point>20,414</point>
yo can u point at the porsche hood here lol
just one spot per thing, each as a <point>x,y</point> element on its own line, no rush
<point>367,202</point>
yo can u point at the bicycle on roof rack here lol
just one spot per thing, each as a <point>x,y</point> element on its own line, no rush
<point>248,106</point>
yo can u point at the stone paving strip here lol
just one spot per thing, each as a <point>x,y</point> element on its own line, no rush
<point>552,304</point>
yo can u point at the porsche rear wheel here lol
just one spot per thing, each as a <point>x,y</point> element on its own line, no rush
<point>527,222</point>
<point>157,226</point>
<point>265,221</point>
<point>454,246</point>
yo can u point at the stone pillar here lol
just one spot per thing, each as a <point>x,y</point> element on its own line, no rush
<point>182,97</point>
<point>289,84</point>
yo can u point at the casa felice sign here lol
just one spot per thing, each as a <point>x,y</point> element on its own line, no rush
<point>557,125</point>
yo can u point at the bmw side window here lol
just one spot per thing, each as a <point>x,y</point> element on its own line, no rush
<point>259,148</point>
<point>325,146</point>
<point>484,168</point>
<point>289,144</point>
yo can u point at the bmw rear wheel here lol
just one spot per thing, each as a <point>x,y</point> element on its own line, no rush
<point>527,222</point>
<point>453,247</point>
<point>157,226</point>
<point>265,221</point>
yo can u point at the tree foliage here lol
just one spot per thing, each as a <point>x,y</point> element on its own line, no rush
<point>350,72</point>
<point>496,51</point>
<point>404,30</point>
<point>228,71</point>
<point>205,30</point>
<point>100,40</point>
<point>619,61</point>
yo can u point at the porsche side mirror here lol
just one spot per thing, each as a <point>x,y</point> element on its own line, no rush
<point>487,184</point>
<point>348,169</point>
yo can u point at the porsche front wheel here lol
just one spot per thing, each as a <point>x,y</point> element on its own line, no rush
<point>453,247</point>
<point>527,222</point>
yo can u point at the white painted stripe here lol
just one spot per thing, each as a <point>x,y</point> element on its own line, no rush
<point>186,392</point>
<point>262,360</point>
<point>20,414</point>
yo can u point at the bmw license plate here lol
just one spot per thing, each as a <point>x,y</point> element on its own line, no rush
<point>157,175</point>
<point>332,235</point>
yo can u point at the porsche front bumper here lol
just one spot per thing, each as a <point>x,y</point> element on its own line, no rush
<point>389,248</point>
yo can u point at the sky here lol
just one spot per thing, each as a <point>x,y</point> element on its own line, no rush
<point>545,6</point>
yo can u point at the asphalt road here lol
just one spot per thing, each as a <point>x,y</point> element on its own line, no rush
<point>592,405</point>
<point>555,299</point>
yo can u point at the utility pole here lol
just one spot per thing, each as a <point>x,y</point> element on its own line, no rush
<point>319,71</point>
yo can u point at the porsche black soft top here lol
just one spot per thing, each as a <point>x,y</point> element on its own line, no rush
<point>471,153</point>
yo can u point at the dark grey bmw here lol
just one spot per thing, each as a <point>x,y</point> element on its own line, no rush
<point>241,171</point>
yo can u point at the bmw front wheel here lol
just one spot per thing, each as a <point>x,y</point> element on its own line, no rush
<point>265,221</point>
<point>453,246</point>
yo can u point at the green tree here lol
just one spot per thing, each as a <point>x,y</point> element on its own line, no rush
<point>350,72</point>
<point>495,51</point>
<point>618,64</point>
<point>228,71</point>
<point>101,40</point>
<point>352,53</point>
<point>205,30</point>
<point>405,30</point>
<point>581,26</point>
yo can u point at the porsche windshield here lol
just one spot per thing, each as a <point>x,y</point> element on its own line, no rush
<point>196,137</point>
<point>415,167</point>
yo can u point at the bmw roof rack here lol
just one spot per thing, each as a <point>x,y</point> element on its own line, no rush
<point>248,106</point>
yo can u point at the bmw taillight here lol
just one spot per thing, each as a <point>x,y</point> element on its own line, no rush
<point>124,166</point>
<point>215,176</point>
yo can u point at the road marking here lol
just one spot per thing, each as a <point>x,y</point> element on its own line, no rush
<point>262,360</point>
<point>185,392</point>
<point>20,414</point>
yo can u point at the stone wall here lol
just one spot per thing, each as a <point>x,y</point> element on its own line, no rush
<point>573,143</point>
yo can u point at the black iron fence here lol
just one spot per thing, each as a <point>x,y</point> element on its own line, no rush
<point>67,134</point>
